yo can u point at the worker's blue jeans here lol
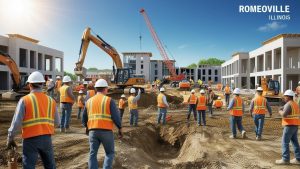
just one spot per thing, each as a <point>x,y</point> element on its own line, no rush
<point>162,112</point>
<point>227,97</point>
<point>34,146</point>
<point>79,113</point>
<point>106,137</point>
<point>259,120</point>
<point>192,107</point>
<point>134,117</point>
<point>201,113</point>
<point>66,109</point>
<point>236,121</point>
<point>290,133</point>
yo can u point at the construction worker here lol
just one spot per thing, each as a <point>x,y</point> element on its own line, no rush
<point>236,108</point>
<point>227,92</point>
<point>218,103</point>
<point>133,106</point>
<point>66,102</point>
<point>50,87</point>
<point>80,103</point>
<point>192,101</point>
<point>210,99</point>
<point>290,121</point>
<point>58,84</point>
<point>200,83</point>
<point>122,104</point>
<point>91,91</point>
<point>36,114</point>
<point>258,107</point>
<point>162,105</point>
<point>201,108</point>
<point>298,94</point>
<point>99,117</point>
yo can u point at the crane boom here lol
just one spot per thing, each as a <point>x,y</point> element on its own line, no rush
<point>161,49</point>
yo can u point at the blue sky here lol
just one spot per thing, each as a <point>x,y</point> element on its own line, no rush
<point>191,29</point>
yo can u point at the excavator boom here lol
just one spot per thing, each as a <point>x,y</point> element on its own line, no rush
<point>7,60</point>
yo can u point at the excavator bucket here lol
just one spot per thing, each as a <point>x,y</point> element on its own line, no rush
<point>81,73</point>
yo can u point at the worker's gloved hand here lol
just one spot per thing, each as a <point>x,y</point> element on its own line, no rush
<point>120,133</point>
<point>87,131</point>
<point>11,144</point>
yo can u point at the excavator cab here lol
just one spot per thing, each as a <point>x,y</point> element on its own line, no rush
<point>124,77</point>
<point>274,85</point>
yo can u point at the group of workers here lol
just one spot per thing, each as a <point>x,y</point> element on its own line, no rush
<point>36,115</point>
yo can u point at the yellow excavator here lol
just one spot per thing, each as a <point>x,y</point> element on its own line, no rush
<point>271,90</point>
<point>122,77</point>
<point>19,86</point>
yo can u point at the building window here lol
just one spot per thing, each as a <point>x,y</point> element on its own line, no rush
<point>216,72</point>
<point>58,65</point>
<point>32,59</point>
<point>209,71</point>
<point>142,66</point>
<point>155,65</point>
<point>23,57</point>
<point>142,72</point>
<point>142,61</point>
<point>203,79</point>
<point>203,72</point>
<point>40,61</point>
<point>209,78</point>
<point>155,72</point>
<point>216,79</point>
<point>48,62</point>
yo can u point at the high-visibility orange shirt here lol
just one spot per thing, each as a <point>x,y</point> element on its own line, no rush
<point>218,103</point>
<point>193,99</point>
<point>260,105</point>
<point>237,109</point>
<point>227,90</point>
<point>294,117</point>
<point>131,104</point>
<point>64,97</point>
<point>160,101</point>
<point>98,110</point>
<point>39,115</point>
<point>121,104</point>
<point>201,103</point>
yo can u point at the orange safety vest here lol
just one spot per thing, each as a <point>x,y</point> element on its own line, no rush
<point>294,117</point>
<point>92,93</point>
<point>218,103</point>
<point>99,115</point>
<point>39,115</point>
<point>160,102</point>
<point>260,105</point>
<point>64,97</point>
<point>131,104</point>
<point>193,99</point>
<point>227,90</point>
<point>201,103</point>
<point>58,84</point>
<point>80,102</point>
<point>121,104</point>
<point>237,109</point>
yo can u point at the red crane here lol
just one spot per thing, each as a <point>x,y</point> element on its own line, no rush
<point>161,49</point>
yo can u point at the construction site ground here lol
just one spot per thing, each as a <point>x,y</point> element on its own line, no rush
<point>174,145</point>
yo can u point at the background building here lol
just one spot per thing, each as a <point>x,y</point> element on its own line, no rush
<point>29,56</point>
<point>203,72</point>
<point>158,69</point>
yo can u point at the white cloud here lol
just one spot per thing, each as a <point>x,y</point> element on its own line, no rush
<point>182,46</point>
<point>273,26</point>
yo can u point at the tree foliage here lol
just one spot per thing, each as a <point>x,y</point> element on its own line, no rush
<point>192,66</point>
<point>92,68</point>
<point>211,62</point>
<point>72,76</point>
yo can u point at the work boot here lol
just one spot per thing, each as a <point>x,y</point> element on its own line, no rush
<point>67,130</point>
<point>232,137</point>
<point>243,134</point>
<point>62,130</point>
<point>295,161</point>
<point>282,162</point>
<point>258,138</point>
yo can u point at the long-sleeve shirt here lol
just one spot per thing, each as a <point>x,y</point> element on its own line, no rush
<point>137,98</point>
<point>267,104</point>
<point>87,96</point>
<point>230,106</point>
<point>287,109</point>
<point>115,115</point>
<point>165,101</point>
<point>51,85</point>
<point>17,120</point>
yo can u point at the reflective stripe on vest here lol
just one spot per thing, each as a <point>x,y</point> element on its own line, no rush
<point>121,104</point>
<point>80,102</point>
<point>237,109</point>
<point>99,115</point>
<point>260,105</point>
<point>131,104</point>
<point>39,115</point>
<point>64,97</point>
<point>193,99</point>
<point>91,93</point>
<point>218,103</point>
<point>160,101</point>
<point>294,117</point>
<point>227,90</point>
<point>201,103</point>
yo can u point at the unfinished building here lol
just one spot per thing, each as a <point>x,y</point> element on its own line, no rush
<point>29,56</point>
<point>278,58</point>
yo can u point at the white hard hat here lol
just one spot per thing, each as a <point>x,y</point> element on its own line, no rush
<point>132,90</point>
<point>219,97</point>
<point>67,79</point>
<point>193,91</point>
<point>202,91</point>
<point>162,89</point>
<point>36,77</point>
<point>237,91</point>
<point>51,80</point>
<point>123,96</point>
<point>80,91</point>
<point>58,77</point>
<point>299,82</point>
<point>289,93</point>
<point>259,89</point>
<point>85,82</point>
<point>101,83</point>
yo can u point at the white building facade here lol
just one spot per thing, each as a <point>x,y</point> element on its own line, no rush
<point>29,56</point>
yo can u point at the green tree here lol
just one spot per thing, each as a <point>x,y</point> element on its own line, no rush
<point>72,76</point>
<point>211,61</point>
<point>92,68</point>
<point>192,66</point>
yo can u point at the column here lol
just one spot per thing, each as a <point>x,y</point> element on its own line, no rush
<point>283,72</point>
<point>273,58</point>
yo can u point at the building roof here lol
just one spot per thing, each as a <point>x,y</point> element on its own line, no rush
<point>23,37</point>
<point>289,35</point>
<point>138,53</point>
<point>238,53</point>
<point>158,60</point>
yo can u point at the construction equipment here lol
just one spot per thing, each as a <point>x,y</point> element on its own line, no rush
<point>122,77</point>
<point>184,85</point>
<point>19,86</point>
<point>271,90</point>
<point>160,47</point>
